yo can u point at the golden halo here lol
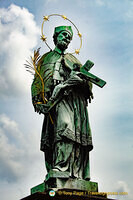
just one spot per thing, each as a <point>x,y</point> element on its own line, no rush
<point>44,38</point>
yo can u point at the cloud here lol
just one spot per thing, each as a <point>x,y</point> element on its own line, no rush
<point>104,39</point>
<point>16,148</point>
<point>122,187</point>
<point>18,36</point>
<point>129,13</point>
<point>123,190</point>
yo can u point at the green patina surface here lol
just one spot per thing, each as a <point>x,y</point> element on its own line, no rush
<point>38,188</point>
<point>68,140</point>
<point>57,184</point>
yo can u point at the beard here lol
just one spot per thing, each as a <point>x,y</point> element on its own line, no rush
<point>62,44</point>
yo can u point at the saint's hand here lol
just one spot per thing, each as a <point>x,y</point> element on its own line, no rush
<point>38,108</point>
<point>42,108</point>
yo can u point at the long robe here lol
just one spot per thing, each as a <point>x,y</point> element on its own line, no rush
<point>68,140</point>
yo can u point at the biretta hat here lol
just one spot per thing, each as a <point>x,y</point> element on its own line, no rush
<point>59,29</point>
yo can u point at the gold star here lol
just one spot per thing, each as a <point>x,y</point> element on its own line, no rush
<point>64,17</point>
<point>43,38</point>
<point>77,51</point>
<point>79,34</point>
<point>45,18</point>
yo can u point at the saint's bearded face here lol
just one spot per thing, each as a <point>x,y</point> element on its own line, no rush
<point>63,40</point>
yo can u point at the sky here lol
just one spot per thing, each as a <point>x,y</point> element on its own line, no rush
<point>107,30</point>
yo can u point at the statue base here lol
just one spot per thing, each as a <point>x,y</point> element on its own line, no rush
<point>59,186</point>
<point>67,195</point>
<point>56,180</point>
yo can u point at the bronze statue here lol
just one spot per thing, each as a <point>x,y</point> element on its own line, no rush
<point>61,89</point>
<point>67,141</point>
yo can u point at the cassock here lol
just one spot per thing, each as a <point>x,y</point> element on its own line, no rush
<point>68,141</point>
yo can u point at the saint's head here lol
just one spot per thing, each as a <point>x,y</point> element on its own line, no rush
<point>62,37</point>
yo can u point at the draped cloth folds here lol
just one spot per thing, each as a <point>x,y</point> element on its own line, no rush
<point>68,141</point>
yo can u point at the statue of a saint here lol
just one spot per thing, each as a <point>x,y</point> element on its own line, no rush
<point>66,135</point>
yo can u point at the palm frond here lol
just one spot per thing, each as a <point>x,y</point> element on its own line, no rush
<point>45,71</point>
<point>30,71</point>
<point>33,63</point>
<point>36,57</point>
<point>28,67</point>
<point>48,76</point>
<point>34,67</point>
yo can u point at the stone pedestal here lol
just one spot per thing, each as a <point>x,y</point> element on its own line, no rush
<point>67,195</point>
<point>59,186</point>
<point>61,180</point>
<point>59,183</point>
